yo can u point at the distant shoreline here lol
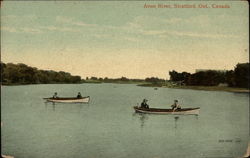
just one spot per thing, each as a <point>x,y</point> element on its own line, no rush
<point>216,88</point>
<point>206,88</point>
<point>146,84</point>
<point>85,81</point>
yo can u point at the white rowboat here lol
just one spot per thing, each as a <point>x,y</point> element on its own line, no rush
<point>68,100</point>
<point>183,111</point>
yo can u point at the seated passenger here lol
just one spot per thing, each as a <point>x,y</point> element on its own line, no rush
<point>176,105</point>
<point>144,104</point>
<point>55,95</point>
<point>79,95</point>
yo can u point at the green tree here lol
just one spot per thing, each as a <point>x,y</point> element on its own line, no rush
<point>241,75</point>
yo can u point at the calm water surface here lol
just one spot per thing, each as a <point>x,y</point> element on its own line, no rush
<point>107,127</point>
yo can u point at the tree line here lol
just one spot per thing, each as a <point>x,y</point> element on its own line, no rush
<point>154,80</point>
<point>23,74</point>
<point>239,77</point>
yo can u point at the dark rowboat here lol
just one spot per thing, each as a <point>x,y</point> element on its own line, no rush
<point>183,111</point>
<point>68,100</point>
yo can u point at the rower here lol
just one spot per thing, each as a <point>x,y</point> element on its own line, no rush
<point>176,105</point>
<point>79,95</point>
<point>144,104</point>
<point>55,95</point>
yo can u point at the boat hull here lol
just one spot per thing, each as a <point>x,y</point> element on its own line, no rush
<point>68,100</point>
<point>184,111</point>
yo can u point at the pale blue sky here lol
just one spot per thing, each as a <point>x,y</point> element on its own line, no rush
<point>114,39</point>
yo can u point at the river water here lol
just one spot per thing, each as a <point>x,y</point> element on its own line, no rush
<point>107,127</point>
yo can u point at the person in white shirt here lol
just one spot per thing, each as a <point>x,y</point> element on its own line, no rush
<point>176,105</point>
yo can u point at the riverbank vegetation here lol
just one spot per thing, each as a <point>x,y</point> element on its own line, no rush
<point>236,80</point>
<point>122,80</point>
<point>16,74</point>
<point>239,77</point>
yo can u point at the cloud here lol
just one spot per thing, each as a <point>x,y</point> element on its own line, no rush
<point>138,26</point>
<point>131,39</point>
<point>82,24</point>
<point>31,30</point>
<point>7,17</point>
<point>201,35</point>
<point>164,33</point>
<point>38,30</point>
<point>71,21</point>
<point>9,29</point>
<point>152,26</point>
<point>154,32</point>
<point>60,29</point>
<point>63,19</point>
<point>22,30</point>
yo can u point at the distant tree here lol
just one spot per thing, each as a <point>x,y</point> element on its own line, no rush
<point>175,76</point>
<point>154,80</point>
<point>94,78</point>
<point>23,74</point>
<point>230,78</point>
<point>207,78</point>
<point>76,79</point>
<point>11,73</point>
<point>106,79</point>
<point>241,75</point>
<point>3,67</point>
<point>124,79</point>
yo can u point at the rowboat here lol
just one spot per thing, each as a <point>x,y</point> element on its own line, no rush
<point>68,100</point>
<point>183,111</point>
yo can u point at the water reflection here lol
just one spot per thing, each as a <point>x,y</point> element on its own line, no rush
<point>49,105</point>
<point>142,118</point>
<point>54,107</point>
<point>176,118</point>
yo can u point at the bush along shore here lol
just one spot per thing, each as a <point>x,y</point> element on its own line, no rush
<point>236,80</point>
<point>18,74</point>
<point>169,84</point>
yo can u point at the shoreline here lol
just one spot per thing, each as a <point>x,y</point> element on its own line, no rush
<point>205,88</point>
<point>145,84</point>
<point>215,88</point>
<point>88,81</point>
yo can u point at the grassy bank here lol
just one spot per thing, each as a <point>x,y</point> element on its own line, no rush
<point>206,88</point>
<point>117,82</point>
<point>91,81</point>
<point>215,88</point>
<point>149,85</point>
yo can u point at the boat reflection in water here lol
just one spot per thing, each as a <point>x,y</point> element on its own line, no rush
<point>53,106</point>
<point>143,117</point>
<point>68,99</point>
<point>175,121</point>
<point>65,107</point>
<point>182,111</point>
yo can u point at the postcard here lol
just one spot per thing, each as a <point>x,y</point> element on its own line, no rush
<point>120,79</point>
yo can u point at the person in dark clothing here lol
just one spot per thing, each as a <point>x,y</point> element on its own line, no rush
<point>55,95</point>
<point>144,104</point>
<point>79,95</point>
